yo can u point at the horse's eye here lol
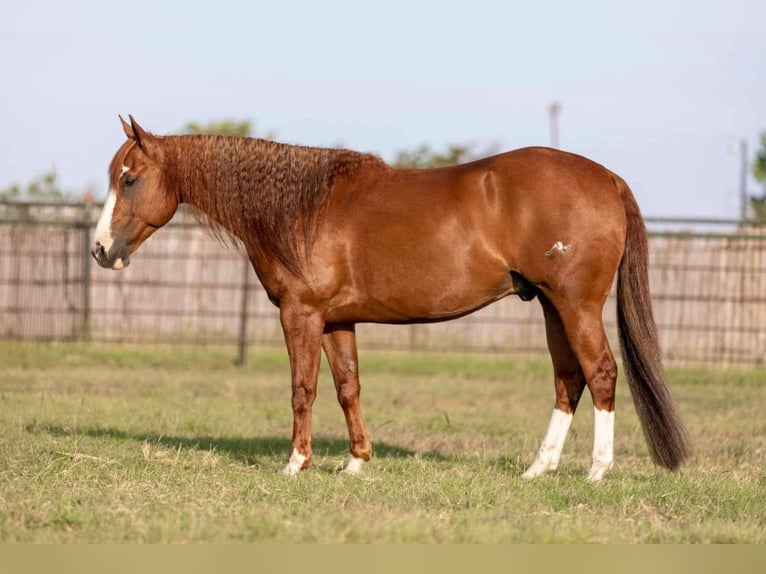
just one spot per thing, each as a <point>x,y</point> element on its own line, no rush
<point>128,181</point>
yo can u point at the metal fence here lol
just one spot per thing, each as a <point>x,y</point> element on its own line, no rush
<point>708,282</point>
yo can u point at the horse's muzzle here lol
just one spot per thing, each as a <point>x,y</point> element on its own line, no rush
<point>103,258</point>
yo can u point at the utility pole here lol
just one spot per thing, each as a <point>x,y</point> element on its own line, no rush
<point>743,165</point>
<point>553,112</point>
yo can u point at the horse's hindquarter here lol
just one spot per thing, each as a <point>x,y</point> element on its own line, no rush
<point>427,245</point>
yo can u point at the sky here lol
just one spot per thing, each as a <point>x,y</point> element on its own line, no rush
<point>660,91</point>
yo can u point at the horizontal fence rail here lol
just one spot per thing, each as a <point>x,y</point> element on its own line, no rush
<point>708,283</point>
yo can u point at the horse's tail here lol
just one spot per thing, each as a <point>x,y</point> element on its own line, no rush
<point>641,357</point>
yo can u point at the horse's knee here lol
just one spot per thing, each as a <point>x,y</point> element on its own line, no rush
<point>348,392</point>
<point>302,399</point>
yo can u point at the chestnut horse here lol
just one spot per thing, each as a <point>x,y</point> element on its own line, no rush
<point>338,237</point>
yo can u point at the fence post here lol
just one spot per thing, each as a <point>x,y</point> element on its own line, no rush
<point>242,342</point>
<point>84,225</point>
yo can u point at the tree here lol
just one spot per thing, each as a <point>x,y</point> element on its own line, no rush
<point>758,204</point>
<point>759,165</point>
<point>17,202</point>
<point>226,127</point>
<point>43,188</point>
<point>242,128</point>
<point>425,156</point>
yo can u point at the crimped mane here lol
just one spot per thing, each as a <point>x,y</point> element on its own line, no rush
<point>267,195</point>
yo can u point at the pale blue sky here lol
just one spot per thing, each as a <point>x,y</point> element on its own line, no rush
<point>658,91</point>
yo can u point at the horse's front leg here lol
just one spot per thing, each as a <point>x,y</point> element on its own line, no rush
<point>303,327</point>
<point>339,343</point>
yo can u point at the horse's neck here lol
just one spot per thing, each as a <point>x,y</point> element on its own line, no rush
<point>190,163</point>
<point>202,169</point>
<point>259,191</point>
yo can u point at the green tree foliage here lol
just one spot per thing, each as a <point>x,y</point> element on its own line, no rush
<point>759,165</point>
<point>758,208</point>
<point>425,156</point>
<point>43,188</point>
<point>758,204</point>
<point>17,202</point>
<point>242,128</point>
<point>227,127</point>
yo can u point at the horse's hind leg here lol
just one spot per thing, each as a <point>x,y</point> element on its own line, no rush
<point>339,342</point>
<point>569,382</point>
<point>585,332</point>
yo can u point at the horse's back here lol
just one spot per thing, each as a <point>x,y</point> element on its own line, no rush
<point>511,203</point>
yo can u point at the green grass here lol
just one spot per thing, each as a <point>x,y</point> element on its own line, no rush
<point>121,444</point>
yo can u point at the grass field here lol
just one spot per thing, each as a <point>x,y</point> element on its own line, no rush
<point>121,444</point>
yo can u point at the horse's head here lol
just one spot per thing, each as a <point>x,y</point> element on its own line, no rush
<point>139,201</point>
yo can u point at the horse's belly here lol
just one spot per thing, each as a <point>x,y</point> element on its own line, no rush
<point>424,294</point>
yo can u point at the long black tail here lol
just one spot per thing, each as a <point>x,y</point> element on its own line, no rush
<point>665,434</point>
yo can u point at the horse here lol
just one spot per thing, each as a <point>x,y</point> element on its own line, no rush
<point>338,237</point>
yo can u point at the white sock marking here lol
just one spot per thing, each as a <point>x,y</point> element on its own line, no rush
<point>603,444</point>
<point>550,450</point>
<point>354,465</point>
<point>295,463</point>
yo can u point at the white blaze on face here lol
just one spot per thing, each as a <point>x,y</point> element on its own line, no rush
<point>104,234</point>
<point>104,225</point>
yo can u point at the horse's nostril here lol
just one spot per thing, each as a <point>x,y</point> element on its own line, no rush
<point>98,251</point>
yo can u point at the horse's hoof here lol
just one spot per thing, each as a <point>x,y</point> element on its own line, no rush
<point>597,471</point>
<point>538,468</point>
<point>295,464</point>
<point>354,466</point>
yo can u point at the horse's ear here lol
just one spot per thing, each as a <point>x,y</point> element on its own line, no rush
<point>126,128</point>
<point>139,134</point>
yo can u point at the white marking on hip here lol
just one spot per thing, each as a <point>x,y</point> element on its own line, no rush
<point>354,466</point>
<point>104,225</point>
<point>603,444</point>
<point>548,456</point>
<point>558,247</point>
<point>295,463</point>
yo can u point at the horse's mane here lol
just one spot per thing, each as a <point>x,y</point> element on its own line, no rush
<point>262,193</point>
